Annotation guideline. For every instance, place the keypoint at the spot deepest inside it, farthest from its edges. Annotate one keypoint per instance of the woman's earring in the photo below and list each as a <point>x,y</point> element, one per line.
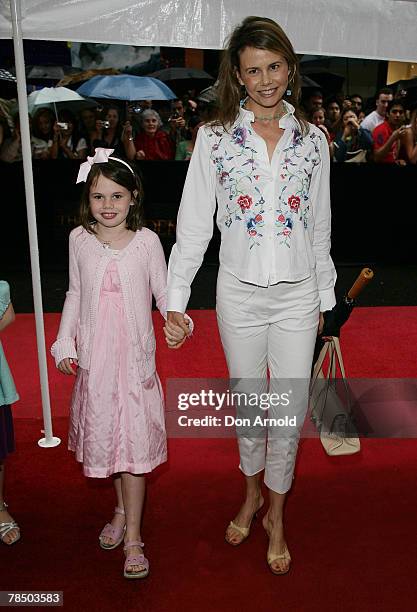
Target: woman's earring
<point>132,203</point>
<point>289,91</point>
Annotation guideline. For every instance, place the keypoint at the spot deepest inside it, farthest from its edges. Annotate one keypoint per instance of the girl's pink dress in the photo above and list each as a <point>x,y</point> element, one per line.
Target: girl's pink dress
<point>117,422</point>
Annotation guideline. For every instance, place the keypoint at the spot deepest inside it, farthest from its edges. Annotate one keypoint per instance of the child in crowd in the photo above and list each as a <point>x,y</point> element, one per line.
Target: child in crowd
<point>9,529</point>
<point>117,417</point>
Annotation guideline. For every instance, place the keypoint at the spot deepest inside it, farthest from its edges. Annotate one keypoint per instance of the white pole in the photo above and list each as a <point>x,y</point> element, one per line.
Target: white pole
<point>15,5</point>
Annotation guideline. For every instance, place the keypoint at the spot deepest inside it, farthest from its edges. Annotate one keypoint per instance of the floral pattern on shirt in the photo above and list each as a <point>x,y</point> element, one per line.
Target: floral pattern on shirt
<point>237,171</point>
<point>293,199</point>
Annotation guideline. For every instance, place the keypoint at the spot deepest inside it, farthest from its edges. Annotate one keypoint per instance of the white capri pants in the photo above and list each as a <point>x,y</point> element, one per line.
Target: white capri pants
<point>269,329</point>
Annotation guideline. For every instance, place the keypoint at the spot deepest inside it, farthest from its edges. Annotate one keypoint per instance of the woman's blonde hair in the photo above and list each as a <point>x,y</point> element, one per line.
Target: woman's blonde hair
<point>261,33</point>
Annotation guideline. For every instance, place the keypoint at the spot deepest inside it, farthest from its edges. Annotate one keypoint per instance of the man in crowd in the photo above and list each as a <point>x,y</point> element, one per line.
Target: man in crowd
<point>357,103</point>
<point>387,135</point>
<point>314,101</point>
<point>377,116</point>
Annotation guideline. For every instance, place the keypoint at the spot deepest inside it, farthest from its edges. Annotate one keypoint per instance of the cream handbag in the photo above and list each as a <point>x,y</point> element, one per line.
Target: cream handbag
<point>330,403</point>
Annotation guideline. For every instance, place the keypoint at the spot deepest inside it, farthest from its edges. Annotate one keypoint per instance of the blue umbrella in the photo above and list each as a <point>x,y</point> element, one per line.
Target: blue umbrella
<point>126,87</point>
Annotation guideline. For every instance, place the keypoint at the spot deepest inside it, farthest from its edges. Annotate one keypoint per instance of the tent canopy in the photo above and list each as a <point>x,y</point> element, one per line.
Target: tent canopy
<point>373,29</point>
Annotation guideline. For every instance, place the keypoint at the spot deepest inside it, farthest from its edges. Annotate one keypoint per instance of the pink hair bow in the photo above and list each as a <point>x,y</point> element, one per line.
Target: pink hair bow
<point>101,155</point>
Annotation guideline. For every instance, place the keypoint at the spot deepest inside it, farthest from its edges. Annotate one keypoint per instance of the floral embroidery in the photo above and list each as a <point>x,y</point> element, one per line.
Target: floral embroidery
<point>239,136</point>
<point>237,162</point>
<point>244,202</point>
<point>293,200</point>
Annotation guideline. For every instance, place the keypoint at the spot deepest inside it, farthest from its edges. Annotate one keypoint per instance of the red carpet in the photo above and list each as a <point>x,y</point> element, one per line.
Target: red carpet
<point>350,521</point>
<point>376,343</point>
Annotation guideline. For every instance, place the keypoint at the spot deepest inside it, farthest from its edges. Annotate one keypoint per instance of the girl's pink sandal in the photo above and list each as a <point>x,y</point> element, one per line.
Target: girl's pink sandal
<point>135,560</point>
<point>115,533</point>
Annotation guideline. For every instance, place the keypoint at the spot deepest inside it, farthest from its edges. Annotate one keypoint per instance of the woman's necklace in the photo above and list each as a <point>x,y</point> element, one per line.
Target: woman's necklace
<point>275,117</point>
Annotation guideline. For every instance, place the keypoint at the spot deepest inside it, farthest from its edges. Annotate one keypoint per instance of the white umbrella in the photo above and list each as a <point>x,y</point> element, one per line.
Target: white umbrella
<point>51,96</point>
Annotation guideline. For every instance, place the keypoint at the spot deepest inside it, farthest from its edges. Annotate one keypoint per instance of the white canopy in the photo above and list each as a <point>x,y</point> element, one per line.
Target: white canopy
<point>374,29</point>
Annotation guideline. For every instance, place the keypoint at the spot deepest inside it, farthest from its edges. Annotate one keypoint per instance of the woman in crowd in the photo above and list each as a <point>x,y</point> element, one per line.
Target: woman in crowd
<point>109,132</point>
<point>151,142</point>
<point>42,128</point>
<point>352,142</point>
<point>268,171</point>
<point>66,143</point>
<point>185,147</point>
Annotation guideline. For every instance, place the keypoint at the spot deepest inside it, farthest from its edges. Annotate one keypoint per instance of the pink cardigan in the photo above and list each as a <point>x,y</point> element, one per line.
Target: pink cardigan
<point>143,272</point>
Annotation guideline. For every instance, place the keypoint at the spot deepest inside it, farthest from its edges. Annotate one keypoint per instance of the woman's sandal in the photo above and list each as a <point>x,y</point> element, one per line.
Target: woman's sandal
<point>8,526</point>
<point>243,531</point>
<point>272,557</point>
<point>115,533</point>
<point>132,560</point>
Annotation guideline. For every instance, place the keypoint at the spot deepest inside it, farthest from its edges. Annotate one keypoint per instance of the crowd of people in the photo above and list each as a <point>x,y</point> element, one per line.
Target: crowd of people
<point>386,135</point>
<point>150,130</point>
<point>144,130</point>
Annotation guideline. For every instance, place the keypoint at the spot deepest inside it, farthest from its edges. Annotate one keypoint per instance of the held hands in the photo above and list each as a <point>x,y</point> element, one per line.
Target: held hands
<point>65,366</point>
<point>176,329</point>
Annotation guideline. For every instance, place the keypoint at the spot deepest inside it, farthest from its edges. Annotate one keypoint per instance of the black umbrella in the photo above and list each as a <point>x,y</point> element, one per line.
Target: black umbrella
<point>335,318</point>
<point>180,73</point>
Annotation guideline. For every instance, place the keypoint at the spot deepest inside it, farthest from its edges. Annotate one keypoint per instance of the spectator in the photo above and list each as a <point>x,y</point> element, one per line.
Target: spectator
<point>347,103</point>
<point>409,139</point>
<point>333,110</point>
<point>357,103</point>
<point>108,133</point>
<point>185,147</point>
<point>11,149</point>
<point>67,144</point>
<point>43,123</point>
<point>377,116</point>
<point>152,142</point>
<point>352,142</point>
<point>177,122</point>
<point>4,127</point>
<point>318,118</point>
<point>314,101</point>
<point>387,136</point>
<point>88,126</point>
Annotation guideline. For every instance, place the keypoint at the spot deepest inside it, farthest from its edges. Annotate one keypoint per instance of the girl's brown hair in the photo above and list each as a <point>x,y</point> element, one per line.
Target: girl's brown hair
<point>117,172</point>
<point>261,33</point>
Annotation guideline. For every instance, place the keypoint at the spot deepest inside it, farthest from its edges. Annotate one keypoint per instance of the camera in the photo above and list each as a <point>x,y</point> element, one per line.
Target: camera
<point>105,124</point>
<point>62,125</point>
<point>174,115</point>
<point>135,109</point>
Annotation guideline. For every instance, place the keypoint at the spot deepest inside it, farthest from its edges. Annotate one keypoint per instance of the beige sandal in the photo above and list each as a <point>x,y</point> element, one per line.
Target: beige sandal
<point>6,527</point>
<point>272,557</point>
<point>243,531</point>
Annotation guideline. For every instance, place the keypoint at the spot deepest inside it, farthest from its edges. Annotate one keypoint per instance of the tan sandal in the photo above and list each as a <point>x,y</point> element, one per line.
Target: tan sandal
<point>272,557</point>
<point>8,526</point>
<point>243,531</point>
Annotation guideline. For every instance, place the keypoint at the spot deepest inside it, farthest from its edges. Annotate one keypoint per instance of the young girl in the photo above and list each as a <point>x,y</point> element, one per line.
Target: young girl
<point>117,418</point>
<point>9,529</point>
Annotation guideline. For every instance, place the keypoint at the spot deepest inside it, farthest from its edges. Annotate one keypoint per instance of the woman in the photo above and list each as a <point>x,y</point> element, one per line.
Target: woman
<point>151,142</point>
<point>42,128</point>
<point>109,133</point>
<point>66,143</point>
<point>269,171</point>
<point>185,148</point>
<point>352,142</point>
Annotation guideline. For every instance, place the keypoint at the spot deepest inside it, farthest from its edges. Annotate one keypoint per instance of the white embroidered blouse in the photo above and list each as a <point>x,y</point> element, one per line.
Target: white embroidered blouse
<point>274,217</point>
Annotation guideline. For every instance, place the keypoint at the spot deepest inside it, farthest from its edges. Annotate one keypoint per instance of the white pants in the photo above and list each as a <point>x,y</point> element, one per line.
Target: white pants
<point>269,329</point>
